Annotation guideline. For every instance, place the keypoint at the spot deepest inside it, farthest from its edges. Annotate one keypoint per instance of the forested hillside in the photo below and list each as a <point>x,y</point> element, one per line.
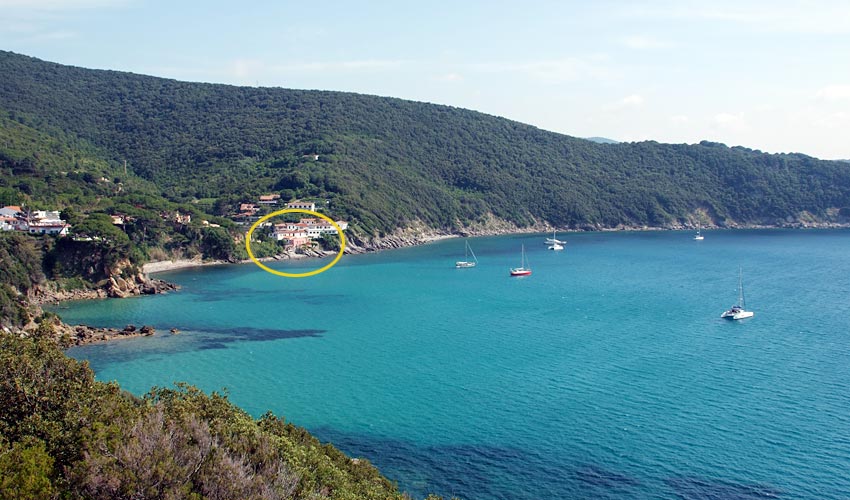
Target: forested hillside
<point>385,162</point>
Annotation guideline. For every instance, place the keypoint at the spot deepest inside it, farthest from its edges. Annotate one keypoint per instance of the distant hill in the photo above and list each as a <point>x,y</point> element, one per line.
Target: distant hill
<point>602,140</point>
<point>386,163</point>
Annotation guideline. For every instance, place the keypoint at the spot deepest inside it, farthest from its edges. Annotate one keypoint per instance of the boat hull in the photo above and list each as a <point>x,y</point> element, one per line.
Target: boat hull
<point>520,272</point>
<point>737,315</point>
<point>463,264</point>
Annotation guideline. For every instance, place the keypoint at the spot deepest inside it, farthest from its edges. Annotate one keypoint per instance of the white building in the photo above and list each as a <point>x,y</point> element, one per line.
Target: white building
<point>7,223</point>
<point>302,205</point>
<point>45,215</point>
<point>49,227</point>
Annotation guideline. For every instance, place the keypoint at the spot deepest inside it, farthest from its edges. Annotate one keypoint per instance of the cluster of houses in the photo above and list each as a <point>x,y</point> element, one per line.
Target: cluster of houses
<point>13,218</point>
<point>292,234</point>
<point>303,232</point>
<point>247,211</point>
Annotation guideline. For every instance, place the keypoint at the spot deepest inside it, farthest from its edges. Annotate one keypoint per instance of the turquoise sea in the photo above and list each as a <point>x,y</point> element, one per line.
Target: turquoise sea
<point>606,374</point>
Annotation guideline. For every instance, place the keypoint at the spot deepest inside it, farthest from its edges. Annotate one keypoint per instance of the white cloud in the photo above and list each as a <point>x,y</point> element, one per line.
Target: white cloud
<point>644,43</point>
<point>370,64</point>
<point>731,122</point>
<point>679,119</point>
<point>632,100</point>
<point>449,77</point>
<point>246,68</point>
<point>834,93</point>
<point>551,71</point>
<point>629,102</point>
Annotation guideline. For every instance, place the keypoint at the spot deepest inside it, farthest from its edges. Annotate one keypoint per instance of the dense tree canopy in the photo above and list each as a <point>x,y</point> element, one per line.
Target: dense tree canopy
<point>385,162</point>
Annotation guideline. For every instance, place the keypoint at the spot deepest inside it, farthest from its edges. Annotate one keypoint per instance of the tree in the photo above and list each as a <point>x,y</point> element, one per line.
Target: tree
<point>70,215</point>
<point>25,471</point>
<point>217,244</point>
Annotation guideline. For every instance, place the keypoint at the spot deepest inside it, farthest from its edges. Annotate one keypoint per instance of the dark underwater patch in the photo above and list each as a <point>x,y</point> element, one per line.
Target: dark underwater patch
<point>595,475</point>
<point>470,471</point>
<point>692,487</point>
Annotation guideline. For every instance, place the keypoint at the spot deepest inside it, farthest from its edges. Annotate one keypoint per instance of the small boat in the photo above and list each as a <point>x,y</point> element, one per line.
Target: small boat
<point>699,236</point>
<point>523,269</point>
<point>738,311</point>
<point>556,246</point>
<point>554,241</point>
<point>461,264</point>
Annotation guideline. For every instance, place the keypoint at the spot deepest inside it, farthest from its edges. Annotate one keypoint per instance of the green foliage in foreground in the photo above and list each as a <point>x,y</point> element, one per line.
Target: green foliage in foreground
<point>63,434</point>
<point>21,269</point>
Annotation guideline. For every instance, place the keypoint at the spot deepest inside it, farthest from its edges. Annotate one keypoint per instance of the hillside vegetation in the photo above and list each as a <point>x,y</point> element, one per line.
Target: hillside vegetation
<point>65,435</point>
<point>384,163</point>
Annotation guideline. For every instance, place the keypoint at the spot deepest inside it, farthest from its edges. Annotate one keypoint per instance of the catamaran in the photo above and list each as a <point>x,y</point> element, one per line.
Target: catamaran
<point>466,262</point>
<point>738,311</point>
<point>523,269</point>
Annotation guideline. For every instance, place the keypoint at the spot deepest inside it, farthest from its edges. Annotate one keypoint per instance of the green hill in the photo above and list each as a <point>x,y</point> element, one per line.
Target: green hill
<point>384,163</point>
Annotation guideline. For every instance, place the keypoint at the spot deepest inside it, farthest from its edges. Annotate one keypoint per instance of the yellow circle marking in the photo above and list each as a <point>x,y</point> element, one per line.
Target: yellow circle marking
<point>292,211</point>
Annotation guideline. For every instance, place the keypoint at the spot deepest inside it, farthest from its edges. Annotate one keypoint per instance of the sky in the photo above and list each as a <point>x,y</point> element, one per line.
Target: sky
<point>768,75</point>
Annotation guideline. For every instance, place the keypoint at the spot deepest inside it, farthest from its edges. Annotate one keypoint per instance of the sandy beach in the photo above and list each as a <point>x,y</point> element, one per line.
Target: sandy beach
<point>171,265</point>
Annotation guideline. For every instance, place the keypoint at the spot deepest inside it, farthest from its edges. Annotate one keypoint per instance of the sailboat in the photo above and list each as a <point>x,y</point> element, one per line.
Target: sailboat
<point>738,311</point>
<point>699,236</point>
<point>554,243</point>
<point>466,262</point>
<point>523,269</point>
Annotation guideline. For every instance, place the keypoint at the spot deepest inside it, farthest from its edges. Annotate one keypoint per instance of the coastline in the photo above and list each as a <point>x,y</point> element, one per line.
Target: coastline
<point>420,235</point>
<point>162,266</point>
<point>84,334</point>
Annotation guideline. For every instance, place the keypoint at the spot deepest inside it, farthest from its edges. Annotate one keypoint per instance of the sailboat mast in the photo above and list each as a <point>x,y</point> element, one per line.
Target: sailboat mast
<point>741,287</point>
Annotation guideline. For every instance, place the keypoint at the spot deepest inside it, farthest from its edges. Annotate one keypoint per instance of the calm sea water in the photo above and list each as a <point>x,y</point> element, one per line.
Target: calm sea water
<point>606,374</point>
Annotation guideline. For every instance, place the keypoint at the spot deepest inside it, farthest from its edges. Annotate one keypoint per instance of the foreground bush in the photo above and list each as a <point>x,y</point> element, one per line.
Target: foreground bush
<point>63,434</point>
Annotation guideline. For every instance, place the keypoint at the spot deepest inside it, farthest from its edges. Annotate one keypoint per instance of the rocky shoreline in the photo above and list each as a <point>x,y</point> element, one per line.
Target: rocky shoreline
<point>114,287</point>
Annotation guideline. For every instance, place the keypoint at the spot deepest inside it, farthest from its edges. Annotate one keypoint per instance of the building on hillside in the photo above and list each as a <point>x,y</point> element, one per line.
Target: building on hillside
<point>45,215</point>
<point>7,223</point>
<point>57,227</point>
<point>121,219</point>
<point>269,199</point>
<point>249,208</point>
<point>317,227</point>
<point>177,217</point>
<point>294,238</point>
<point>10,211</point>
<point>302,205</point>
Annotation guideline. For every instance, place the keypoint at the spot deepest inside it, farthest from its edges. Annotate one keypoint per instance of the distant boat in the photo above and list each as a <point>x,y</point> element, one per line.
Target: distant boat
<point>554,243</point>
<point>466,262</point>
<point>523,269</point>
<point>738,311</point>
<point>699,236</point>
<point>553,240</point>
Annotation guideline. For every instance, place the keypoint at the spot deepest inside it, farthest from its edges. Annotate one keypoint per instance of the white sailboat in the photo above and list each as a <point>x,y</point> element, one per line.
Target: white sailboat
<point>554,243</point>
<point>739,310</point>
<point>466,262</point>
<point>523,269</point>
<point>699,236</point>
